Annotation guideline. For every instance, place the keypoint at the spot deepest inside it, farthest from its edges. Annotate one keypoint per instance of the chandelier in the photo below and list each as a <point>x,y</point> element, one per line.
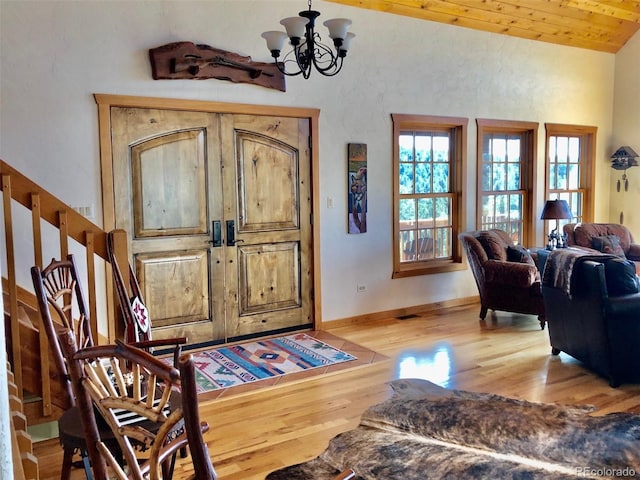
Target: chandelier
<point>307,50</point>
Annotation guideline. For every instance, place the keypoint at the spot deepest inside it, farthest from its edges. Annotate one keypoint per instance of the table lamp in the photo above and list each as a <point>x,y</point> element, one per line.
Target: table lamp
<point>556,210</point>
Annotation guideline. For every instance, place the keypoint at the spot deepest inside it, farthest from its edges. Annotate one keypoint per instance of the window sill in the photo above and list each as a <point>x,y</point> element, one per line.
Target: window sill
<point>414,270</point>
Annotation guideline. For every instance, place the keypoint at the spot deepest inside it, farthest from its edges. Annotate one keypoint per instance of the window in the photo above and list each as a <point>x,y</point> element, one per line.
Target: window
<point>569,169</point>
<point>428,173</point>
<point>506,172</point>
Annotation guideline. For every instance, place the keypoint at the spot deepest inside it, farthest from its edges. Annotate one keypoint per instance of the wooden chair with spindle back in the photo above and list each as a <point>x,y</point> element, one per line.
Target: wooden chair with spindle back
<point>123,383</point>
<point>62,305</point>
<point>135,314</point>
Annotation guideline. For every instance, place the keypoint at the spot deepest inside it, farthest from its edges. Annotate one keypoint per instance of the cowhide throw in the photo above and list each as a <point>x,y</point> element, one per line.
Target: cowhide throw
<point>558,270</point>
<point>426,432</point>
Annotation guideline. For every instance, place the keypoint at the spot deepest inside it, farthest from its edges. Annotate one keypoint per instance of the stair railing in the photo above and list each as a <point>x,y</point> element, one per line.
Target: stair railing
<point>17,188</point>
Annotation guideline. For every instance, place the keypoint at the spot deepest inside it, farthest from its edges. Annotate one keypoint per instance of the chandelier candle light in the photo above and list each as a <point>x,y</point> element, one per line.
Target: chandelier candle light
<point>307,50</point>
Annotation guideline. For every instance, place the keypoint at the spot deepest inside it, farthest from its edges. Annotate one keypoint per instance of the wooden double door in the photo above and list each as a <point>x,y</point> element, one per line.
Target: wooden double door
<point>218,211</point>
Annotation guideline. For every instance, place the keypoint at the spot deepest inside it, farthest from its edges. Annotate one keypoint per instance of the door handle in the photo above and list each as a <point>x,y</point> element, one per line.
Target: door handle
<point>231,233</point>
<point>216,233</point>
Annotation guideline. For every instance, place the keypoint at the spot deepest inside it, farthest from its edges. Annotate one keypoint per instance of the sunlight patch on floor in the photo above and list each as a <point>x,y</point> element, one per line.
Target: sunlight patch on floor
<point>435,365</point>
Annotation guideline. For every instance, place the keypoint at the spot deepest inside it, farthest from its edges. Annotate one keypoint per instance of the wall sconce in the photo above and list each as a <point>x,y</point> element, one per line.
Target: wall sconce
<point>556,210</point>
<point>623,158</point>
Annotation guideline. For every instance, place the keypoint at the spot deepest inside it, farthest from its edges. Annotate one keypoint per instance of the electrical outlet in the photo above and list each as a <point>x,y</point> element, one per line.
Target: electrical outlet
<point>361,288</point>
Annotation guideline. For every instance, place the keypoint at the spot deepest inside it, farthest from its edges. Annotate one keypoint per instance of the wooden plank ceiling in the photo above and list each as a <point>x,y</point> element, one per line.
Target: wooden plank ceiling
<point>601,25</point>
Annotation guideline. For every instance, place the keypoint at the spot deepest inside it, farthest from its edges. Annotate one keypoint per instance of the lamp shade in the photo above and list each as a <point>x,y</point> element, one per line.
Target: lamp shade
<point>275,40</point>
<point>346,42</point>
<point>337,27</point>
<point>556,209</point>
<point>295,26</point>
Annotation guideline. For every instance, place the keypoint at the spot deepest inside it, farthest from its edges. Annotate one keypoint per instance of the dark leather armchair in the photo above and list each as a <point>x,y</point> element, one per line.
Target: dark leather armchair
<point>596,318</point>
<point>506,274</point>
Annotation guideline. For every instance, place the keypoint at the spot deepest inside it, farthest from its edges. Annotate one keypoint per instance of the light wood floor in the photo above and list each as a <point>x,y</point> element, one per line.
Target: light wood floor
<point>255,433</point>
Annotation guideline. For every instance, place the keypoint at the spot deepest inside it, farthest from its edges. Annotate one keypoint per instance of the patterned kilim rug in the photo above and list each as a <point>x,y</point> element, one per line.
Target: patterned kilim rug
<point>262,359</point>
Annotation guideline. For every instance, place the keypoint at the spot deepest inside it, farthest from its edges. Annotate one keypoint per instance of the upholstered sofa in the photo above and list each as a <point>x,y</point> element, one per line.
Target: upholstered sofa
<point>592,309</point>
<point>506,274</point>
<point>604,237</point>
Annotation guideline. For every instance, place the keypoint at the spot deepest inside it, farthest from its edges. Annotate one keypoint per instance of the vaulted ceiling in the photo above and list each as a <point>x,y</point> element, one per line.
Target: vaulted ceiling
<point>602,25</point>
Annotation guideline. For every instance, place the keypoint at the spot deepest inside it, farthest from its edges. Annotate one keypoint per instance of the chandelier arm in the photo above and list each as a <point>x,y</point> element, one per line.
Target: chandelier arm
<point>331,69</point>
<point>282,65</point>
<point>336,68</point>
<point>326,61</point>
<point>304,57</point>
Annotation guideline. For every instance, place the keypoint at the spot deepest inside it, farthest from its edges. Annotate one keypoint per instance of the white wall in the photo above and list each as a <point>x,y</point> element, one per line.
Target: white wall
<point>56,54</point>
<point>626,131</point>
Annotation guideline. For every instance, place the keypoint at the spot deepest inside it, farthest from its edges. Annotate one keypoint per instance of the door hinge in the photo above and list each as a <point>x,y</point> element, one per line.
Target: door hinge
<point>311,219</point>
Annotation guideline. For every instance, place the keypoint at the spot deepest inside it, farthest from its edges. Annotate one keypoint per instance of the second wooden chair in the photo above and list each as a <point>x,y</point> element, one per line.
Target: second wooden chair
<point>135,314</point>
<point>131,390</point>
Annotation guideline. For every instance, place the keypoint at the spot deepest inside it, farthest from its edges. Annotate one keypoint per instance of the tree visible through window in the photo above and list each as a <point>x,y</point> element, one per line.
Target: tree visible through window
<point>425,196</point>
<point>569,165</point>
<point>427,193</point>
<point>503,195</point>
<point>505,177</point>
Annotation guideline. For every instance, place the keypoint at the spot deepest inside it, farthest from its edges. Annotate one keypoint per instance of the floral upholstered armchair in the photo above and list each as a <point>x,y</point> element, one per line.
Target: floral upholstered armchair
<point>506,274</point>
<point>604,237</point>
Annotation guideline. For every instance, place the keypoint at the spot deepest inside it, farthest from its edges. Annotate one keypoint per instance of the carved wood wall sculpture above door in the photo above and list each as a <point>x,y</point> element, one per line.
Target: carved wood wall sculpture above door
<point>218,209</point>
<point>186,60</point>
